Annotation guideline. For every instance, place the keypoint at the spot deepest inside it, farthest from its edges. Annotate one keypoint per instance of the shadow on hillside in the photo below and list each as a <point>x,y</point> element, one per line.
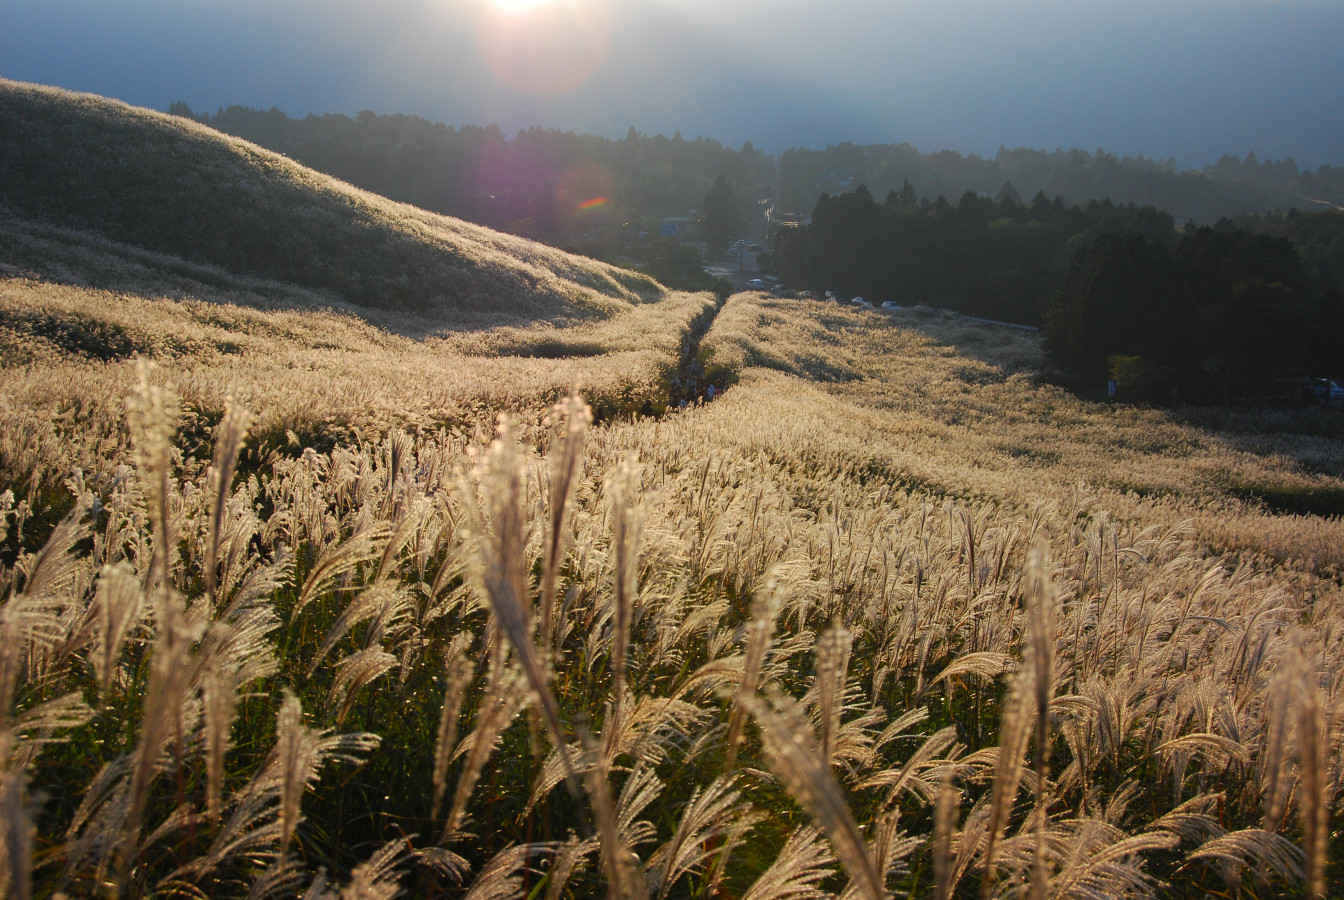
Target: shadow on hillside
<point>81,259</point>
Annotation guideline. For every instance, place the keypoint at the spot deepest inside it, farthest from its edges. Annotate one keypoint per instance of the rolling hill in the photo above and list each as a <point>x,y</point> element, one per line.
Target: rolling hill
<point>157,183</point>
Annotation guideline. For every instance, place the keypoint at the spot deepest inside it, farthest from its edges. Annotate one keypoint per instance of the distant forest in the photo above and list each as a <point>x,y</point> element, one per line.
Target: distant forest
<point>1227,188</point>
<point>546,184</point>
<point>999,257</point>
<point>1122,292</point>
<point>581,192</point>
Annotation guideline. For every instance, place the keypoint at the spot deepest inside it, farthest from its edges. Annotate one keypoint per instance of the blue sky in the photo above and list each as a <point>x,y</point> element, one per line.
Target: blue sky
<point>1190,79</point>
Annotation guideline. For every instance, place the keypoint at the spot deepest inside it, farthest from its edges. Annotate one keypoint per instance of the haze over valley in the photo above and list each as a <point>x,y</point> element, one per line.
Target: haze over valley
<point>558,448</point>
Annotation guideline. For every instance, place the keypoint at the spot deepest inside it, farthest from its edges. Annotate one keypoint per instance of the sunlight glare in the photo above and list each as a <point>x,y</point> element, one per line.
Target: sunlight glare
<point>544,48</point>
<point>517,6</point>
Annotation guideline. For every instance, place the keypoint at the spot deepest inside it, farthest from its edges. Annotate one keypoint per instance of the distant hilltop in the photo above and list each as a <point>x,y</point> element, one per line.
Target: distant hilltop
<point>171,186</point>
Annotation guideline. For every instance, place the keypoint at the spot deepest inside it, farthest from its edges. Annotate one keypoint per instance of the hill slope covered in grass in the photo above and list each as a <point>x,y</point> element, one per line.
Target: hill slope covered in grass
<point>809,634</point>
<point>282,613</point>
<point>167,185</point>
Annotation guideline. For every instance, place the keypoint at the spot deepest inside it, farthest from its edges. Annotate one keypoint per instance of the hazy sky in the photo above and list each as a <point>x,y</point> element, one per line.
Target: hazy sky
<point>1190,79</point>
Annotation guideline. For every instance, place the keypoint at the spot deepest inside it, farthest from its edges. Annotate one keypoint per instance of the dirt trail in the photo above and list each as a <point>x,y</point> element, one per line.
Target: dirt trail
<point>688,385</point>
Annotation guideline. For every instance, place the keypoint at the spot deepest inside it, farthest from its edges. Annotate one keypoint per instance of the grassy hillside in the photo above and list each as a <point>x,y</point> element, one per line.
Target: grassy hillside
<point>163,184</point>
<point>283,613</point>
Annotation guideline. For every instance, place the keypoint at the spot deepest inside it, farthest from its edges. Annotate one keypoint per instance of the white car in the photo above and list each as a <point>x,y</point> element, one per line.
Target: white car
<point>859,301</point>
<point>890,304</point>
<point>755,283</point>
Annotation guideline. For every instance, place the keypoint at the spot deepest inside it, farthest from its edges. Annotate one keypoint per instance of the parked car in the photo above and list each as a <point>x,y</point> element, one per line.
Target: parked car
<point>1327,392</point>
<point>859,301</point>
<point>890,304</point>
<point>756,283</point>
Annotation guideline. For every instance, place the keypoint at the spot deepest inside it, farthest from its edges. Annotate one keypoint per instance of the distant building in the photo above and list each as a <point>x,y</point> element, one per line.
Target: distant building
<point>835,179</point>
<point>681,228</point>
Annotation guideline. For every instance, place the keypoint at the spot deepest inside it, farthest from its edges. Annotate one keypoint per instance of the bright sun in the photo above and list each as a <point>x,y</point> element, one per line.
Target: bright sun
<point>544,47</point>
<point>517,5</point>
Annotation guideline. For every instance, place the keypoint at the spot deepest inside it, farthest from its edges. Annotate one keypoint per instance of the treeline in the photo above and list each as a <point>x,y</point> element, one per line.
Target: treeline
<point>595,193</point>
<point>1122,292</point>
<point>995,257</point>
<point>1227,188</point>
<point>544,183</point>
<point>1222,314</point>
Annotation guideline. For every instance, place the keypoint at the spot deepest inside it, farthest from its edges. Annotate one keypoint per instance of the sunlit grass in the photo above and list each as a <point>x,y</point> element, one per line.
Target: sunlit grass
<point>288,609</point>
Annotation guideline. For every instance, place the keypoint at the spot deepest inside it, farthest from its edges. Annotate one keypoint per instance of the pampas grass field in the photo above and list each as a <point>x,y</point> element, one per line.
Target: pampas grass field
<point>309,598</point>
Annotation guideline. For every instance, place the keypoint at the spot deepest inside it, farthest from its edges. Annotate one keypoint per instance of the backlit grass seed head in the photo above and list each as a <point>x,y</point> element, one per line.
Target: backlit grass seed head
<point>795,757</point>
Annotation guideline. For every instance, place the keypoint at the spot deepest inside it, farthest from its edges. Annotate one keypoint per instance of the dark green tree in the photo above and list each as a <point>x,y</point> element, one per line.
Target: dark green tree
<point>722,220</point>
<point>1118,299</point>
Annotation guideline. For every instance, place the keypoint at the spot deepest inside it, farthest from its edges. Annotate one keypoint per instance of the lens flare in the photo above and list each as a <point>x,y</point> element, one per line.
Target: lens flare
<point>544,48</point>
<point>584,197</point>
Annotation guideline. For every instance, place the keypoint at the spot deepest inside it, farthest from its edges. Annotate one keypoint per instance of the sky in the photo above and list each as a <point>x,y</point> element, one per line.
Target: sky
<point>1185,79</point>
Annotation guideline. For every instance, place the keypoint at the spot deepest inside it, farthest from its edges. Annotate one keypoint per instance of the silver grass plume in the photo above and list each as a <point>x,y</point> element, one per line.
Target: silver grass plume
<point>641,788</point>
<point>291,750</point>
<point>460,667</point>
<point>377,877</point>
<point>1043,616</point>
<point>151,411</point>
<point>1014,733</point>
<point>229,438</point>
<point>944,830</point>
<point>627,525</point>
<point>503,700</point>
<point>265,813</point>
<point>1283,689</point>
<point>116,607</point>
<point>1297,709</point>
<point>570,416</point>
<point>708,816</point>
<point>567,858</point>
<point>52,571</point>
<point>39,628</point>
<point>908,776</point>
<point>165,698</point>
<point>17,830</point>
<point>832,672</point>
<point>620,866</point>
<point>803,863</point>
<point>338,559</point>
<point>765,607</point>
<point>221,705</point>
<point>503,571</point>
<point>888,849</point>
<point>353,674</point>
<point>1313,738</point>
<point>1253,848</point>
<point>383,601</point>
<point>795,757</point>
<point>281,879</point>
<point>500,878</point>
